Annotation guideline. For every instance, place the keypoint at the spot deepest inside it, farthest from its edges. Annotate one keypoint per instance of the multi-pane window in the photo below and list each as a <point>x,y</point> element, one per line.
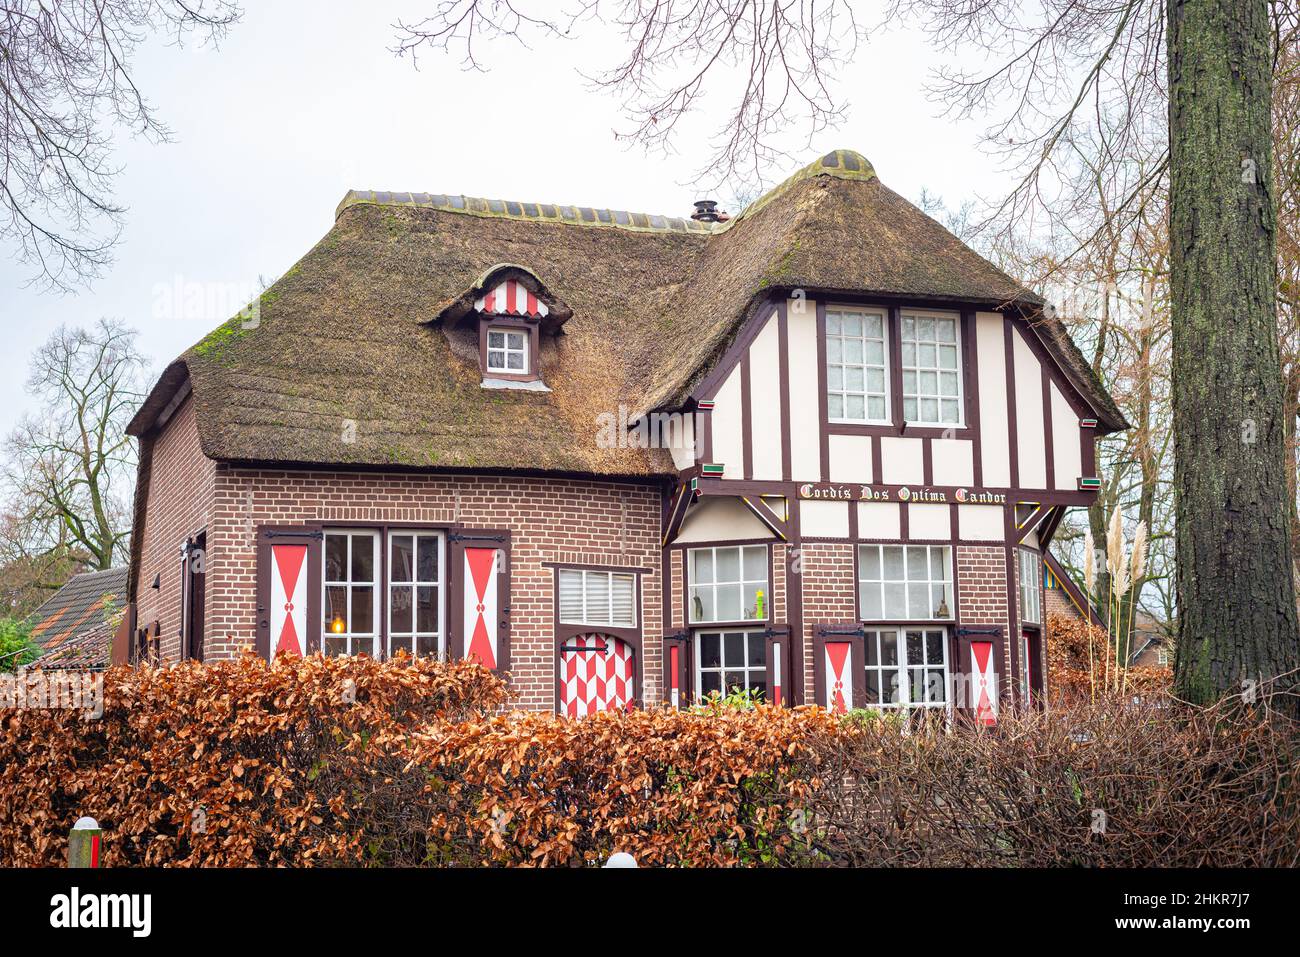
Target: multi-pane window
<point>351,605</point>
<point>931,367</point>
<point>730,661</point>
<point>1030,596</point>
<point>905,582</point>
<point>857,380</point>
<point>597,598</point>
<point>356,617</point>
<point>907,667</point>
<point>507,351</point>
<point>415,598</point>
<point>728,584</point>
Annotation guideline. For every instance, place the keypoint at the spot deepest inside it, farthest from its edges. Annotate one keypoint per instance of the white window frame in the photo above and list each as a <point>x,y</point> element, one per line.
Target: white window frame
<point>949,593</point>
<point>843,392</point>
<point>916,370</point>
<point>440,622</point>
<point>723,669</point>
<point>693,586</point>
<point>587,619</point>
<point>376,585</point>
<point>507,350</point>
<point>1031,596</point>
<point>901,671</point>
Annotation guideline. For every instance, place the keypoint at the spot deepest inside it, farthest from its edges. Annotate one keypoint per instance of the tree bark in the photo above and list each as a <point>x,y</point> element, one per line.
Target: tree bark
<point>1237,611</point>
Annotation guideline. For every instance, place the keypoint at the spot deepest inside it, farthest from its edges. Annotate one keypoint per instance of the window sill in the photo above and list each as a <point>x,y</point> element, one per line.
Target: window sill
<point>525,385</point>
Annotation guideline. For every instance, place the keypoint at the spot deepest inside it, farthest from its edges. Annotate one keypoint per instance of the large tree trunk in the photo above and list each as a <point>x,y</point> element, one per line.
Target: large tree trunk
<point>1237,618</point>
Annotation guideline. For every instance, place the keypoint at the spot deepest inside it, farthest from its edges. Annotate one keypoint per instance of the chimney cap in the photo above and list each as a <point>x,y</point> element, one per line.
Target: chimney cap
<point>706,211</point>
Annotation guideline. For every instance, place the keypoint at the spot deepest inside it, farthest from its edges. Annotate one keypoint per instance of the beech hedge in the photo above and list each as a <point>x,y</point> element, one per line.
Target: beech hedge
<point>351,762</point>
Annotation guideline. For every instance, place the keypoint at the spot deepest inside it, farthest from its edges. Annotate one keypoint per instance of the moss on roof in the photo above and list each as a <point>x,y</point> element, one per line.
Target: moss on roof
<point>347,363</point>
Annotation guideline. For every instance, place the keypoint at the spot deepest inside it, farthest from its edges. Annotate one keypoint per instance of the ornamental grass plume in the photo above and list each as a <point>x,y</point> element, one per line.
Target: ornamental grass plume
<point>1137,569</point>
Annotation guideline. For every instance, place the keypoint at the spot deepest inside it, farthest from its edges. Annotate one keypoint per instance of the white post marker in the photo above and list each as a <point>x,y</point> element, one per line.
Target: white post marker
<point>83,843</point>
<point>621,859</point>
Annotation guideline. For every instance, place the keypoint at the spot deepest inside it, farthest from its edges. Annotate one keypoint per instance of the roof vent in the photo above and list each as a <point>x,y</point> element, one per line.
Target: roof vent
<point>706,211</point>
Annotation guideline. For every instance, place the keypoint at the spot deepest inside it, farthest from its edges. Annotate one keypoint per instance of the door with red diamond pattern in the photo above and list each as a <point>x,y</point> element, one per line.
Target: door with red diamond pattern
<point>597,673</point>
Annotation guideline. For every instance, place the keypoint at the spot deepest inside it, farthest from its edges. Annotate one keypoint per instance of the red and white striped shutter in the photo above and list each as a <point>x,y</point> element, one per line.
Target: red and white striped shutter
<point>288,591</point>
<point>839,667</point>
<point>676,670</point>
<point>778,658</point>
<point>984,683</point>
<point>597,673</point>
<point>511,298</point>
<point>480,564</point>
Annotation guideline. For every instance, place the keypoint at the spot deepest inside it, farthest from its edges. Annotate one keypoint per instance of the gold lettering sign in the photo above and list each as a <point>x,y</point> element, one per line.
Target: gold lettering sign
<point>833,492</point>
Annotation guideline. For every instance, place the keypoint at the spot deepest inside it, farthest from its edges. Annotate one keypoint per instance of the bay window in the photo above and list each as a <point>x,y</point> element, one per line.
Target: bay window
<point>931,367</point>
<point>728,584</point>
<point>597,598</point>
<point>905,582</point>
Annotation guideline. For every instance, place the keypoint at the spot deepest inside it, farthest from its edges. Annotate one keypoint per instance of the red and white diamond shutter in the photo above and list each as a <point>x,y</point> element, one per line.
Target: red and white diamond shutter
<point>480,562</point>
<point>597,673</point>
<point>288,590</point>
<point>839,677</point>
<point>983,683</point>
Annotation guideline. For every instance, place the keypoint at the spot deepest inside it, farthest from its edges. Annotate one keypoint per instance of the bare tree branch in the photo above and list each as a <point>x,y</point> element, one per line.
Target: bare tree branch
<point>65,84</point>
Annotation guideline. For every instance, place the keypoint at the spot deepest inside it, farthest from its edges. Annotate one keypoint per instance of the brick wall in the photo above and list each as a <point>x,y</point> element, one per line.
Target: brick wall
<point>181,487</point>
<point>1057,602</point>
<point>828,595</point>
<point>551,520</point>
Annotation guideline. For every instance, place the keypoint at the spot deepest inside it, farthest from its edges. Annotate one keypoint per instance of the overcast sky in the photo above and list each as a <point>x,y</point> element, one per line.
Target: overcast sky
<point>304,100</point>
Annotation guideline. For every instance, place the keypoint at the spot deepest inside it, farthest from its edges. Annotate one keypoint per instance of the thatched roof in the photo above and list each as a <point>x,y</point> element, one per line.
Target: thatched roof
<point>355,332</point>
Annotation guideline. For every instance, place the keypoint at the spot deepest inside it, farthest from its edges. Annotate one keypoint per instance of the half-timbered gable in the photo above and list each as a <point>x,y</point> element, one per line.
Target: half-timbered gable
<point>811,453</point>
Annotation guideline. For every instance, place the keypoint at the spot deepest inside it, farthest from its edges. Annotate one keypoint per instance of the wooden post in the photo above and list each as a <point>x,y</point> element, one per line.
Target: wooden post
<point>84,843</point>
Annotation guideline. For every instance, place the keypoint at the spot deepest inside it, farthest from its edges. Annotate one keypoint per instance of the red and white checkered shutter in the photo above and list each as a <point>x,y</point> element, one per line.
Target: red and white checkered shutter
<point>288,591</point>
<point>983,683</point>
<point>597,673</point>
<point>480,566</point>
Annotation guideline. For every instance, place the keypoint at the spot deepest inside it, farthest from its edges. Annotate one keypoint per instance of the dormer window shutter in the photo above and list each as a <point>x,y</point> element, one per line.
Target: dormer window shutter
<point>480,597</point>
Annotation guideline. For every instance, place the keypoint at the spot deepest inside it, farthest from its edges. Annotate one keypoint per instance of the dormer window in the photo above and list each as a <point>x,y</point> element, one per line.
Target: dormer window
<point>507,350</point>
<point>513,313</point>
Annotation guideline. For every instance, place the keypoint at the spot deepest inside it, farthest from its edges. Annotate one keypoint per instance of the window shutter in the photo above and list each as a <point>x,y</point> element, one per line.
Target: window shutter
<point>677,666</point>
<point>288,590</point>
<point>838,666</point>
<point>778,669</point>
<point>480,596</point>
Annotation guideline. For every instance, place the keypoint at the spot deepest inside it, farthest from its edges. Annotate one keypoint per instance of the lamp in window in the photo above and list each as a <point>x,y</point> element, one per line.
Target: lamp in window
<point>337,625</point>
<point>942,611</point>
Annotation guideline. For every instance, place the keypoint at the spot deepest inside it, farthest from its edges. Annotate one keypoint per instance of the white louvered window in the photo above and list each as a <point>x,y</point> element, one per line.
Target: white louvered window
<point>857,366</point>
<point>597,598</point>
<point>931,363</point>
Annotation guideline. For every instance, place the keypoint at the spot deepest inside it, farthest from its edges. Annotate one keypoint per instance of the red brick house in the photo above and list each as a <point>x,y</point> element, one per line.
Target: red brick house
<point>814,451</point>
